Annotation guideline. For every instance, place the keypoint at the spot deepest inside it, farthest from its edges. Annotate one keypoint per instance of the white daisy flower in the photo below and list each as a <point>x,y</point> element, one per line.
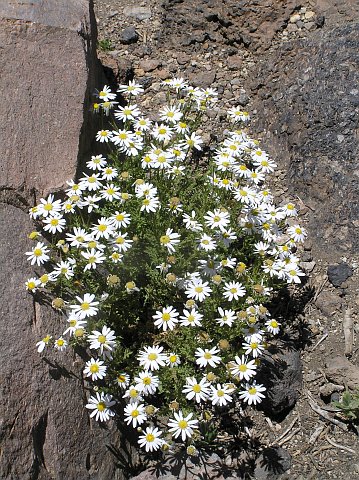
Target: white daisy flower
<point>272,326</point>
<point>38,254</point>
<point>129,112</point>
<point>182,426</point>
<point>191,318</point>
<point>94,258</point>
<point>122,380</point>
<point>95,369</point>
<point>233,291</point>
<point>227,317</point>
<point>105,94</point>
<point>135,414</point>
<point>252,394</point>
<point>220,395</point>
<point>132,88</point>
<point>146,383</point>
<point>121,242</point>
<point>100,406</point>
<point>103,136</point>
<point>97,162</point>
<point>173,360</point>
<point>104,341</point>
<point>150,439</point>
<point>43,343</point>
<point>166,319</point>
<point>243,368</point>
<point>170,239</point>
<point>198,290</point>
<point>197,390</point>
<point>48,206</point>
<point>150,204</point>
<point>254,348</point>
<point>121,219</point>
<point>207,243</point>
<point>152,358</point>
<point>207,357</point>
<point>87,306</point>
<point>60,344</point>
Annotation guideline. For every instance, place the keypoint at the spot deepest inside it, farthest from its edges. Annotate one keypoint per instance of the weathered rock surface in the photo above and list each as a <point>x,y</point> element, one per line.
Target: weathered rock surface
<point>340,371</point>
<point>186,468</point>
<point>282,375</point>
<point>309,117</point>
<point>49,70</point>
<point>272,463</point>
<point>337,274</point>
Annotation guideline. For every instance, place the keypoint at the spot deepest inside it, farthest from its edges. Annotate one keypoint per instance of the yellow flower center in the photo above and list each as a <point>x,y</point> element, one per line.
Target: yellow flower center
<point>135,413</point>
<point>233,290</point>
<point>165,239</point>
<point>31,285</point>
<point>48,207</point>
<point>147,381</point>
<point>60,342</point>
<point>166,317</point>
<point>220,393</point>
<point>274,324</point>
<point>37,252</point>
<point>162,131</point>
<point>54,222</point>
<point>173,358</point>
<point>102,339</point>
<point>133,393</point>
<point>196,388</point>
<point>101,406</point>
<point>254,345</point>
<point>120,217</point>
<point>182,424</point>
<point>85,306</point>
<point>103,133</point>
<point>120,240</point>
<point>150,437</point>
<point>252,391</point>
<point>94,368</point>
<point>102,227</point>
<point>243,368</point>
<point>198,289</point>
<point>152,356</point>
<point>207,356</point>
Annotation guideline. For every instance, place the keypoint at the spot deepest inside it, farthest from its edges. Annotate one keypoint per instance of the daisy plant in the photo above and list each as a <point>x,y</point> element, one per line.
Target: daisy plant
<point>160,261</point>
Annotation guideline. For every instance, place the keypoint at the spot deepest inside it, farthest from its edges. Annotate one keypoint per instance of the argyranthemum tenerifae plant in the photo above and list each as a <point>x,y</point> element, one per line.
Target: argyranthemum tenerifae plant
<point>161,260</point>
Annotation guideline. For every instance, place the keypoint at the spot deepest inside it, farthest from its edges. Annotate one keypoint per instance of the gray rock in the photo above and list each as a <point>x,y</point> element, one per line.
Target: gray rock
<point>137,12</point>
<point>337,274</point>
<point>45,431</point>
<point>129,35</point>
<point>328,301</point>
<point>281,374</point>
<point>182,467</point>
<point>302,113</point>
<point>150,64</point>
<point>342,372</point>
<point>272,463</point>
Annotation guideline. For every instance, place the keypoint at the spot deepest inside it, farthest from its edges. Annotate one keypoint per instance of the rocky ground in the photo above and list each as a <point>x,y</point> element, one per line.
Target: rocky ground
<point>293,65</point>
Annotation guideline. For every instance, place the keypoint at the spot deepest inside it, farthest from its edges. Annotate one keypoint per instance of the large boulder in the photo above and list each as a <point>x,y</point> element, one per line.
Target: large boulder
<point>49,71</point>
<point>307,93</point>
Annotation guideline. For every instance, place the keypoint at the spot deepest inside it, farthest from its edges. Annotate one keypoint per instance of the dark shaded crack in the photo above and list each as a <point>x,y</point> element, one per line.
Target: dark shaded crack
<point>38,434</point>
<point>16,198</point>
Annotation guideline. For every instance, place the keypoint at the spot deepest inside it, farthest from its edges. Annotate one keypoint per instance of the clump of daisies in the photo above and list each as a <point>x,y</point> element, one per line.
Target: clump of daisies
<point>160,262</point>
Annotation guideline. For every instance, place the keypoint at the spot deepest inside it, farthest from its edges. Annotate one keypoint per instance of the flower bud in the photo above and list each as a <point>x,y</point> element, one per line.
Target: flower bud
<point>113,280</point>
<point>58,303</point>
<point>224,344</point>
<point>174,405</point>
